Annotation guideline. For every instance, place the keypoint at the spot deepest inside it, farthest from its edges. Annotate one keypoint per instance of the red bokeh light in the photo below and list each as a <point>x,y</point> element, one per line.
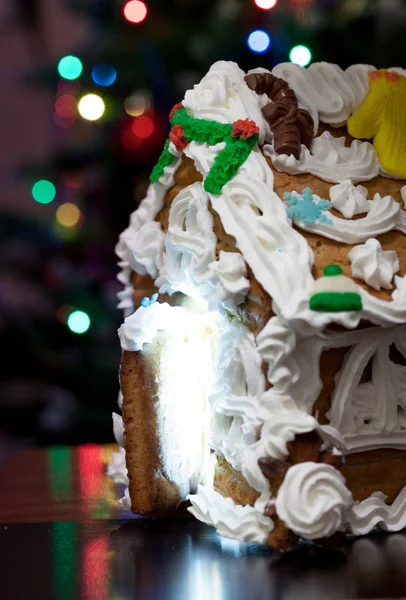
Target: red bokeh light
<point>135,11</point>
<point>66,106</point>
<point>266,4</point>
<point>143,127</point>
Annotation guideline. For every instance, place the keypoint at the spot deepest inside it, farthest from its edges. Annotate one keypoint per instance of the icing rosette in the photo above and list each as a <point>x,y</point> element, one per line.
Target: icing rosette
<point>349,199</point>
<point>373,265</point>
<point>313,500</point>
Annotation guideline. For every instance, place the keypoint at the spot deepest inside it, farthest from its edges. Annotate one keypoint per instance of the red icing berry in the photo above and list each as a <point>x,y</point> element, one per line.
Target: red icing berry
<point>177,137</point>
<point>391,76</point>
<point>174,109</point>
<point>244,128</point>
<point>375,74</point>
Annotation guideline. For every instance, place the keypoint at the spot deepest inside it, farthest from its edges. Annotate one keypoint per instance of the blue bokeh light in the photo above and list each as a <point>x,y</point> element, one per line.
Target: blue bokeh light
<point>258,41</point>
<point>104,74</point>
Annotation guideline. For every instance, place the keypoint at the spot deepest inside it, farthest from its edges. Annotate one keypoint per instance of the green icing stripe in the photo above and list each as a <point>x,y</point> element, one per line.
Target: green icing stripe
<point>164,160</point>
<point>200,130</point>
<point>226,163</point>
<point>335,302</point>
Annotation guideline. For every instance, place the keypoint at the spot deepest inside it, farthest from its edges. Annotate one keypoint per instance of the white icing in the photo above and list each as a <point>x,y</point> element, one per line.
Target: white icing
<point>374,512</point>
<point>313,500</point>
<point>326,91</point>
<point>330,159</point>
<point>373,265</point>
<point>384,215</point>
<point>231,520</point>
<point>140,245</point>
<point>118,429</point>
<point>142,326</point>
<point>190,264</point>
<point>222,95</point>
<point>117,469</point>
<point>349,199</point>
<point>399,294</point>
<point>238,381</point>
<point>125,501</point>
<point>282,422</point>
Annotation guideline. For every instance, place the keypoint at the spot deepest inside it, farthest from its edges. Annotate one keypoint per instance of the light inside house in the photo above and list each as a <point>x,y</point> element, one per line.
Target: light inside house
<point>78,321</point>
<point>182,354</point>
<point>258,41</point>
<point>91,107</point>
<point>70,67</point>
<point>300,55</point>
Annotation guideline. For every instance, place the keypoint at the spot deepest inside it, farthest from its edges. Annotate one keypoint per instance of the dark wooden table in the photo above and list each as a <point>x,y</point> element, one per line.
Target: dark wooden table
<point>62,537</point>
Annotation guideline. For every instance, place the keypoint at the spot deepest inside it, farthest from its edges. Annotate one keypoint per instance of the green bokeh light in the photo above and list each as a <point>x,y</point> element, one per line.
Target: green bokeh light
<point>70,67</point>
<point>300,55</point>
<point>43,191</point>
<point>78,321</point>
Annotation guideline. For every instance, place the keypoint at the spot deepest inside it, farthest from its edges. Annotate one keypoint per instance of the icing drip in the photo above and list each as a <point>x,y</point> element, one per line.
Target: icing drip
<point>384,214</point>
<point>190,264</point>
<point>142,326</point>
<point>373,265</point>
<point>323,89</point>
<point>238,381</point>
<point>243,523</point>
<point>330,159</point>
<point>133,247</point>
<point>313,500</point>
<point>374,512</point>
<point>349,199</point>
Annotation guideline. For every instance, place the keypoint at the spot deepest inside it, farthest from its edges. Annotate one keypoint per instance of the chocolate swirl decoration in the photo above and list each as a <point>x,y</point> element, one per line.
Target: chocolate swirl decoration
<point>291,126</point>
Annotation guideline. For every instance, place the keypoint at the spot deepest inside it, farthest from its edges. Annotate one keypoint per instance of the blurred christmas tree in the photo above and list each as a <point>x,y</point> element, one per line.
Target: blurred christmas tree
<point>111,100</point>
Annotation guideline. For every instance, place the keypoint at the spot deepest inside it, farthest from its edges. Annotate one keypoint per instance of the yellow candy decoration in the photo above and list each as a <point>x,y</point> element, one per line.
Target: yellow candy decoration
<point>382,116</point>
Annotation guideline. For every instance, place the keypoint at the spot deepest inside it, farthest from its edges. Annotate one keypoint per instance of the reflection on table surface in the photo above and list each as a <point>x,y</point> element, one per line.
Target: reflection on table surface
<point>82,553</point>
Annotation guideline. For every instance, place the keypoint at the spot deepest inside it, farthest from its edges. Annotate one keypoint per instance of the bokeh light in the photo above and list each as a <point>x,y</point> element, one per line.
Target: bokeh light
<point>143,127</point>
<point>78,321</point>
<point>104,74</point>
<point>258,41</point>
<point>300,55</point>
<point>70,67</point>
<point>43,191</point>
<point>91,107</point>
<point>66,106</point>
<point>68,214</point>
<point>135,11</point>
<point>266,4</point>
<point>136,104</point>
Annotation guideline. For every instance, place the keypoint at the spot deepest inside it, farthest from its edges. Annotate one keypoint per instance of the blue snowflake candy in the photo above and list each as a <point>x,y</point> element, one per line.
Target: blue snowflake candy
<point>303,207</point>
<point>145,302</point>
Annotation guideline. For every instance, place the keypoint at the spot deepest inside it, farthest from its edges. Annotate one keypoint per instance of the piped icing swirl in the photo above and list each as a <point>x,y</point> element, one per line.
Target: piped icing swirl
<point>374,265</point>
<point>313,500</point>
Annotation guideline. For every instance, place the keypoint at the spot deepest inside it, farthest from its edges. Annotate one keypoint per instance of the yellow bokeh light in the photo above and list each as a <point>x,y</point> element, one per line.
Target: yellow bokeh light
<point>68,214</point>
<point>91,107</point>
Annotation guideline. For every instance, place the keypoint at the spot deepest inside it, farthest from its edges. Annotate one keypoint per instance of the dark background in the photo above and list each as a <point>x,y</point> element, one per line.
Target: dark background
<point>58,386</point>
